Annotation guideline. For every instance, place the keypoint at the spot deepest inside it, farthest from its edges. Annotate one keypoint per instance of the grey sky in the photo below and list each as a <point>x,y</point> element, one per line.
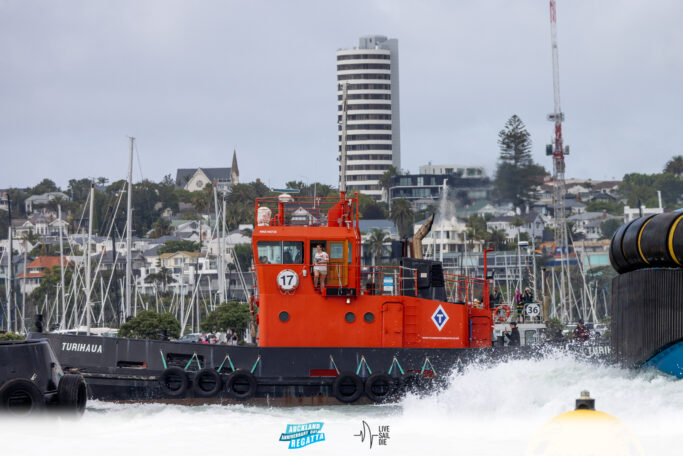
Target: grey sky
<point>194,79</point>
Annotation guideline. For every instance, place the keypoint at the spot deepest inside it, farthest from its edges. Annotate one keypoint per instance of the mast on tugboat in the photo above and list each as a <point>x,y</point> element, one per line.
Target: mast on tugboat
<point>342,183</point>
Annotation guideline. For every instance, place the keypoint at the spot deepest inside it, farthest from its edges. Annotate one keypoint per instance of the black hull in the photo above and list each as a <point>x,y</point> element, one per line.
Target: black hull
<point>647,314</point>
<point>284,376</point>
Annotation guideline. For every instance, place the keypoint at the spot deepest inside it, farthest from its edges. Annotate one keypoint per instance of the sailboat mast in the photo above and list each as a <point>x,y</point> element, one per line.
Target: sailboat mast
<point>62,322</point>
<point>10,269</point>
<point>129,229</point>
<point>219,257</point>
<point>87,258</point>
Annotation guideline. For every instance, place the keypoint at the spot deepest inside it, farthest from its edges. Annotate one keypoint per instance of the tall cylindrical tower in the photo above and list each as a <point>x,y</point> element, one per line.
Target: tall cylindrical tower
<point>373,120</point>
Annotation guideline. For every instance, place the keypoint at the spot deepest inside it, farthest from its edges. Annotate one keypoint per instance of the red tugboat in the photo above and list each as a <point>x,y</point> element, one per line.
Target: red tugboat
<point>403,306</point>
<point>366,333</point>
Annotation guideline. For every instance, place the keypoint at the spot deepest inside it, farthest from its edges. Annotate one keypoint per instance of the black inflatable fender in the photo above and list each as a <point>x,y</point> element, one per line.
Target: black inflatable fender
<point>616,250</point>
<point>241,385</point>
<point>347,387</point>
<point>631,243</point>
<point>72,393</point>
<point>380,386</point>
<point>168,379</point>
<point>207,376</point>
<point>34,398</point>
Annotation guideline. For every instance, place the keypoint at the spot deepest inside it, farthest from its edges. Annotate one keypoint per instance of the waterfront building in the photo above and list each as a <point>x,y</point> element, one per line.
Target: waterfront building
<point>447,170</point>
<point>423,190</point>
<point>43,199</point>
<point>373,117</point>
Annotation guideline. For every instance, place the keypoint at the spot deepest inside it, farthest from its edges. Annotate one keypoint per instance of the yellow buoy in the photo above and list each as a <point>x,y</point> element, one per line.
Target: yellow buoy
<point>585,432</point>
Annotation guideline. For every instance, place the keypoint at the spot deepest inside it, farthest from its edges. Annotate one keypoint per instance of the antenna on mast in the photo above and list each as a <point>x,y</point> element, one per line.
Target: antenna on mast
<point>344,86</point>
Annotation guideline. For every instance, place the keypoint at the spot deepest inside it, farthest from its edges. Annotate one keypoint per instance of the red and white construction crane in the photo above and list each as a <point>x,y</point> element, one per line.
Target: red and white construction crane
<point>558,151</point>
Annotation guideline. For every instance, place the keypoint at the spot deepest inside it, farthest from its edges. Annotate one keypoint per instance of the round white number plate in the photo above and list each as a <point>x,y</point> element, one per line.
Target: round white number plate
<point>533,310</point>
<point>287,280</point>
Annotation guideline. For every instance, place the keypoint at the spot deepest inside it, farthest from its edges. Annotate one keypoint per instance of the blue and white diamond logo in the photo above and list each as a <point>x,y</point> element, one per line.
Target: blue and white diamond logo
<point>440,318</point>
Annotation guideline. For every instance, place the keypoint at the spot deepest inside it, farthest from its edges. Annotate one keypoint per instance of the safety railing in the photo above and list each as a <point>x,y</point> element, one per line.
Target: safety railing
<point>387,280</point>
<point>296,211</point>
<point>466,290</point>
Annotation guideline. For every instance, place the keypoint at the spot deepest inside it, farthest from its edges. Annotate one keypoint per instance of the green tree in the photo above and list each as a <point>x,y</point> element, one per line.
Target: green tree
<point>179,246</point>
<point>149,325</point>
<point>499,238</point>
<point>385,180</point>
<point>612,207</point>
<point>161,227</point>
<point>371,209</point>
<point>45,186</point>
<point>79,189</point>
<point>609,227</point>
<point>161,278</point>
<point>244,255</point>
<point>516,174</point>
<point>10,336</point>
<point>230,315</point>
<point>476,228</point>
<point>376,246</point>
<point>4,224</point>
<point>642,188</point>
<point>675,166</point>
<point>402,216</point>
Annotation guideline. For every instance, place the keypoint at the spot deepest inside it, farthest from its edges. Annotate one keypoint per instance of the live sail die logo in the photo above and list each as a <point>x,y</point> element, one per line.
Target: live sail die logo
<point>366,434</point>
<point>301,435</point>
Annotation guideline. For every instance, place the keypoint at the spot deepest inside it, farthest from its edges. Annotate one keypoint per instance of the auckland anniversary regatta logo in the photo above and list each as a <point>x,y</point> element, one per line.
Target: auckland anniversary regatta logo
<point>301,435</point>
<point>83,348</point>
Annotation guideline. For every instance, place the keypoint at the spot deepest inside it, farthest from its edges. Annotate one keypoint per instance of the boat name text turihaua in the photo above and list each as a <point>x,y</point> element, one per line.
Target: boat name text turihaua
<point>87,348</point>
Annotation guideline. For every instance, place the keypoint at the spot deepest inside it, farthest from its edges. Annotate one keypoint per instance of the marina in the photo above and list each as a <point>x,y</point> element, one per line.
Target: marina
<point>232,227</point>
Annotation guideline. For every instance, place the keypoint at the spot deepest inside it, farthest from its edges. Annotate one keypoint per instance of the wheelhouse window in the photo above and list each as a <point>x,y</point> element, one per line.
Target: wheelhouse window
<point>280,252</point>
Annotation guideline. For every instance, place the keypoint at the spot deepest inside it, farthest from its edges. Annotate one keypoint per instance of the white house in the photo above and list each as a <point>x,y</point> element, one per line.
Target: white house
<point>195,179</point>
<point>588,223</point>
<point>532,225</point>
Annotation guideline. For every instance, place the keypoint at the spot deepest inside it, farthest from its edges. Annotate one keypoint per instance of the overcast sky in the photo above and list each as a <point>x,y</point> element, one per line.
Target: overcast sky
<point>193,80</point>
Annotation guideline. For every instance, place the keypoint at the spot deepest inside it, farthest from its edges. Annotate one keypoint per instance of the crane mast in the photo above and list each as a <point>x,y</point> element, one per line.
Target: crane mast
<point>558,151</point>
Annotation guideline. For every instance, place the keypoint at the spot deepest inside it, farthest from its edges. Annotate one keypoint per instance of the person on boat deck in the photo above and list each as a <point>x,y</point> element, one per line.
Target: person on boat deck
<point>527,296</point>
<point>519,305</point>
<point>496,297</point>
<point>512,335</point>
<point>581,333</point>
<point>320,261</point>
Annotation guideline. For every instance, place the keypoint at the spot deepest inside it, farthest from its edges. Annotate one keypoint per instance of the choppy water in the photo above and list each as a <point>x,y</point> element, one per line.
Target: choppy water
<point>492,410</point>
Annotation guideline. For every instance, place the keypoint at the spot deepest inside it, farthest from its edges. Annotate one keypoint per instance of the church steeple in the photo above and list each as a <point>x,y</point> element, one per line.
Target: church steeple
<point>234,169</point>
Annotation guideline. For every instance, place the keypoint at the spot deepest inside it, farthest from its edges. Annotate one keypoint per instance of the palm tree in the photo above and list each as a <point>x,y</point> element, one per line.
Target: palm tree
<point>385,180</point>
<point>164,277</point>
<point>376,242</point>
<point>161,227</point>
<point>402,215</point>
<point>498,238</point>
<point>675,165</point>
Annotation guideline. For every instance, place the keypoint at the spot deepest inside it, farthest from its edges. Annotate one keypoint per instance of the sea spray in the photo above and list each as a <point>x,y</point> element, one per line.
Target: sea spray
<point>485,410</point>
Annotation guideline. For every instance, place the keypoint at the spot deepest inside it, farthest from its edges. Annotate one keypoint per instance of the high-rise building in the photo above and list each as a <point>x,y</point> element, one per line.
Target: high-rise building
<point>373,118</point>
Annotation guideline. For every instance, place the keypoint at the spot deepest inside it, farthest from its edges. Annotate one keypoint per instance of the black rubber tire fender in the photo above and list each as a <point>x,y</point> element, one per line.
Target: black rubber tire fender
<point>72,393</point>
<point>347,387</point>
<point>21,396</point>
<point>616,251</point>
<point>174,381</point>
<point>631,243</point>
<point>207,383</point>
<point>241,385</point>
<point>380,386</point>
